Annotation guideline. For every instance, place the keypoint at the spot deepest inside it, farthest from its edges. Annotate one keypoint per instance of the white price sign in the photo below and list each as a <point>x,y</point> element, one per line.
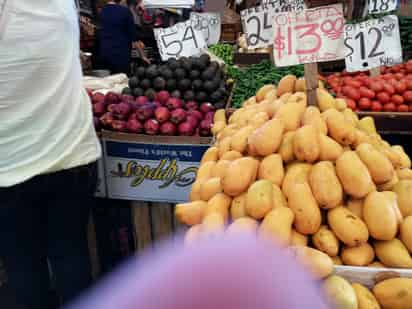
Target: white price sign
<point>180,40</point>
<point>313,35</point>
<point>257,21</point>
<point>372,43</point>
<point>382,6</point>
<point>209,24</point>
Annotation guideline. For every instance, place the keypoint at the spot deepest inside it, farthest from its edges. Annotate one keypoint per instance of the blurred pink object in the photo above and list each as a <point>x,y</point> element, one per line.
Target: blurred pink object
<point>230,274</point>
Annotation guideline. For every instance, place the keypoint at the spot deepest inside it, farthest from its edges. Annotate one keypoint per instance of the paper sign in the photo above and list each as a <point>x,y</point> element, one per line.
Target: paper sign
<point>372,43</point>
<point>180,40</point>
<point>257,21</point>
<point>151,172</point>
<point>308,36</point>
<point>382,6</point>
<point>209,24</point>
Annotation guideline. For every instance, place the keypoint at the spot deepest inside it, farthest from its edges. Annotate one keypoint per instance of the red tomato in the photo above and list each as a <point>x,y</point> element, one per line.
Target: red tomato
<point>383,97</point>
<point>350,103</point>
<point>409,67</point>
<point>393,82</point>
<point>388,88</point>
<point>389,107</point>
<point>399,76</point>
<point>352,83</point>
<point>376,106</point>
<point>376,86</point>
<point>410,108</point>
<point>407,95</point>
<point>400,87</point>
<point>351,93</point>
<point>409,84</point>
<point>387,76</point>
<point>403,108</point>
<point>397,99</point>
<point>366,93</point>
<point>364,104</point>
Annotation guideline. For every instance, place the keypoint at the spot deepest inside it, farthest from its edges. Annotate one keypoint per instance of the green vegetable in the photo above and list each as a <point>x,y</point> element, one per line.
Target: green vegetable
<point>223,51</point>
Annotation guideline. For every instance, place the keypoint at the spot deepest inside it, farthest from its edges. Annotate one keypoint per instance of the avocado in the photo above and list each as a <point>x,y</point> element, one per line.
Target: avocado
<point>127,91</point>
<point>189,96</point>
<point>176,94</point>
<point>185,64</point>
<point>184,84</point>
<point>159,83</point>
<point>173,64</point>
<point>215,65</point>
<point>215,97</point>
<point>150,94</point>
<point>208,75</point>
<point>145,84</point>
<point>193,74</point>
<point>171,84</point>
<point>209,86</point>
<point>166,73</point>
<point>152,71</point>
<point>205,58</point>
<point>223,91</point>
<point>201,96</point>
<point>133,82</point>
<point>137,92</point>
<point>195,63</point>
<point>197,85</point>
<point>180,73</point>
<point>140,72</point>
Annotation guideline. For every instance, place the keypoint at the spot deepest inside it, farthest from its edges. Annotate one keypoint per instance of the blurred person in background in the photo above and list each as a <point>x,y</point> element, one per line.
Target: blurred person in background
<point>48,152</point>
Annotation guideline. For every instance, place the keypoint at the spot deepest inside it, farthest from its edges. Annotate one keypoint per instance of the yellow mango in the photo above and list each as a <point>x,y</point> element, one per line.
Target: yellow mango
<point>405,160</point>
<point>350,116</point>
<point>291,115</point>
<point>238,207</point>
<point>243,172</point>
<point>340,104</point>
<point>279,199</point>
<point>298,97</point>
<point>326,241</point>
<point>395,293</point>
<point>330,150</point>
<point>231,156</point>
<point>220,115</point>
<point>262,92</point>
<point>366,300</point>
<point>354,175</point>
<point>312,117</point>
<point>205,170</point>
<point>298,239</point>
<point>325,100</point>
<point>228,131</point>
<point>259,120</point>
<point>212,154</point>
<point>220,168</point>
<point>286,147</point>
<point>319,264</point>
<point>404,191</point>
<point>393,253</point>
<point>271,168</point>
<point>210,188</point>
<point>266,139</point>
<point>239,140</point>
<point>213,226</point>
<point>376,264</point>
<point>379,166</point>
<point>259,199</point>
<point>271,95</point>
<point>193,235</point>
<point>300,85</point>
<point>393,199</point>
<point>388,186</point>
<point>339,129</point>
<point>243,225</point>
<point>337,261</point>
<point>367,125</point>
<point>356,207</point>
<point>224,146</point>
<point>361,255</point>
<point>406,233</point>
<point>277,226</point>
<point>219,203</point>
<point>404,173</point>
<point>325,185</point>
<point>286,84</point>
<point>360,138</point>
<point>296,173</point>
<point>194,194</point>
<point>392,155</point>
<point>340,293</point>
<point>379,216</point>
<point>307,213</point>
<point>306,144</point>
<point>285,97</point>
<point>218,127</point>
<point>347,227</point>
<point>190,213</point>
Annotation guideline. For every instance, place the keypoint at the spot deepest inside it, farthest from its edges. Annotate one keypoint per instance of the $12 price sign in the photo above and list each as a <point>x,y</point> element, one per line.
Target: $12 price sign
<point>382,6</point>
<point>182,39</point>
<point>257,21</point>
<point>209,24</point>
<point>372,43</point>
<point>308,36</point>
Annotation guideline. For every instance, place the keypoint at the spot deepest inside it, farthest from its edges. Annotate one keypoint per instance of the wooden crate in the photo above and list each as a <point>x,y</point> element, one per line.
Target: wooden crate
<point>230,32</point>
<point>246,59</point>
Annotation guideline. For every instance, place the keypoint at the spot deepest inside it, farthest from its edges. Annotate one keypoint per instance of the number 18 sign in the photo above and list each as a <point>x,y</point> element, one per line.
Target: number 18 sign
<point>308,36</point>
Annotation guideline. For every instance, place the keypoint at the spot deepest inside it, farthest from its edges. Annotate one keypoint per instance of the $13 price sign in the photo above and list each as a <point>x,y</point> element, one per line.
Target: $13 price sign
<point>182,39</point>
<point>382,6</point>
<point>372,43</point>
<point>209,24</point>
<point>308,36</point>
<point>257,21</point>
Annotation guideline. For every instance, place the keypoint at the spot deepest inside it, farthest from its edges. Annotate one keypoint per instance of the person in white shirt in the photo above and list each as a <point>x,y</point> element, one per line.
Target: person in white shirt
<point>48,151</point>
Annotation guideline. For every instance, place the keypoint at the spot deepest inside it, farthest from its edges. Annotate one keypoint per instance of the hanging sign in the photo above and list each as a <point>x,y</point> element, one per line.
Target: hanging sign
<point>373,43</point>
<point>182,39</point>
<point>313,35</point>
<point>209,24</point>
<point>382,6</point>
<point>257,21</point>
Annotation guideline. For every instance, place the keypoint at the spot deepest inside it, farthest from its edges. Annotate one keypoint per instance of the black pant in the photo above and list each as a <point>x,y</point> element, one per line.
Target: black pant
<point>46,218</point>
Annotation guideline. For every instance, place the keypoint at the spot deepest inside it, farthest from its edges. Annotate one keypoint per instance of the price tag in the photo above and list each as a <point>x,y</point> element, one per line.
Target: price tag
<point>257,21</point>
<point>382,6</point>
<point>308,36</point>
<point>373,43</point>
<point>180,40</point>
<point>209,24</point>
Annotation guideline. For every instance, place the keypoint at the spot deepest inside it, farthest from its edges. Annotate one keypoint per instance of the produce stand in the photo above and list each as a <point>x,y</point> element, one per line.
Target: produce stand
<point>391,123</point>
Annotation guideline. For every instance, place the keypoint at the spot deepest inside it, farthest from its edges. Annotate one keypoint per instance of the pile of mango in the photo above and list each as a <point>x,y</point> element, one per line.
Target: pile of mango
<point>317,180</point>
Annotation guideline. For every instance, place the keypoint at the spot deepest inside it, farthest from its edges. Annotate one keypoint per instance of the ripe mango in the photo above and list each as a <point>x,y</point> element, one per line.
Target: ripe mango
<point>286,147</point>
<point>205,170</point>
<point>213,226</point>
<point>325,100</point>
<point>330,150</point>
<point>406,233</point>
<point>404,191</point>
<point>190,213</point>
<point>277,226</point>
<point>220,168</point>
<point>296,173</point>
<point>306,144</point>
<point>239,140</point>
<point>291,115</point>
<point>259,199</point>
<point>242,173</point>
<point>394,293</point>
<point>326,241</point>
<point>340,293</point>
<point>220,204</point>
<point>231,155</point>
<point>271,168</point>
<point>220,115</point>
<point>243,225</point>
<point>367,125</point>
<point>312,117</point>
<point>298,239</point>
<point>286,84</point>
<point>210,188</point>
<point>340,129</point>
<point>405,160</point>
<point>212,154</point>
<point>279,199</point>
<point>404,173</point>
<point>194,194</point>
<point>361,255</point>
<point>366,300</point>
<point>259,120</point>
<point>356,207</point>
<point>266,139</point>
<point>318,263</point>
<point>238,207</point>
<point>393,253</point>
<point>379,166</point>
<point>262,92</point>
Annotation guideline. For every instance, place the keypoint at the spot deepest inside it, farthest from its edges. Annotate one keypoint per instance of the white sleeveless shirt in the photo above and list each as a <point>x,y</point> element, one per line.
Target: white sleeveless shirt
<point>46,122</point>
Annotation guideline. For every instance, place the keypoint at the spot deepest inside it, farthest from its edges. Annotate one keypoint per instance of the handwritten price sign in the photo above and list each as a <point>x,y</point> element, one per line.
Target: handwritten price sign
<point>257,21</point>
<point>373,43</point>
<point>180,40</point>
<point>209,24</point>
<point>382,6</point>
<point>308,36</point>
